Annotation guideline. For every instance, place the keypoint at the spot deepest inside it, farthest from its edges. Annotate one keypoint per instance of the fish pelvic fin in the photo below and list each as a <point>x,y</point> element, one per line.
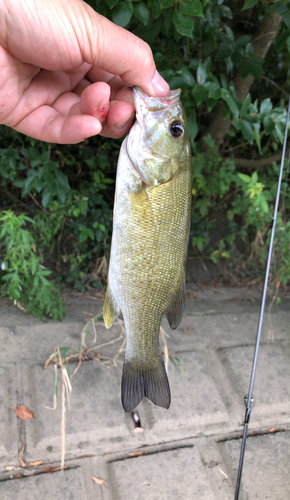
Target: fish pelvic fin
<point>175,311</point>
<point>111,309</point>
<point>139,382</point>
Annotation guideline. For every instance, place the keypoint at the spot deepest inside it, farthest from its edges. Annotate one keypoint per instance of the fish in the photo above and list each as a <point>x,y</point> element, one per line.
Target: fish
<point>152,212</point>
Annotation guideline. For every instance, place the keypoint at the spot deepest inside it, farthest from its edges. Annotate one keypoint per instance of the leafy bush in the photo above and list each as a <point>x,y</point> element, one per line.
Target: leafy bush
<point>25,279</point>
<point>56,201</point>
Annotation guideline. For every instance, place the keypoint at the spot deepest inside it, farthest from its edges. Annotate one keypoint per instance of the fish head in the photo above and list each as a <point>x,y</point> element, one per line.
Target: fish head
<point>158,142</point>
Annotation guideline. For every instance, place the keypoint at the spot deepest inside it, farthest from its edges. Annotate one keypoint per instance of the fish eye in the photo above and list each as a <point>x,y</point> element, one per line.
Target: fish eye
<point>176,129</point>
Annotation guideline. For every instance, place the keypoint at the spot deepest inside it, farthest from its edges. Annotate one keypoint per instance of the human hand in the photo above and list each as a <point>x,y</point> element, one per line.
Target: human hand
<point>65,71</point>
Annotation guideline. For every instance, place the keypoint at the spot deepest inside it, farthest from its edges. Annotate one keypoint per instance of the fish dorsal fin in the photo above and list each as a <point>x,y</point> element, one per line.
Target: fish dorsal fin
<point>111,309</point>
<point>175,311</point>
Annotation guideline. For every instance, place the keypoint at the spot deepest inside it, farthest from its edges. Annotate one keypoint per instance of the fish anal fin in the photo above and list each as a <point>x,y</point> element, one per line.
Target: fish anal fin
<point>175,311</point>
<point>139,382</point>
<point>111,309</point>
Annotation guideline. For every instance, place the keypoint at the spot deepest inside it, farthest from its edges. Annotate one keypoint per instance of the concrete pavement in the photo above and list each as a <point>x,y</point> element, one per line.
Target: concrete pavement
<point>190,451</point>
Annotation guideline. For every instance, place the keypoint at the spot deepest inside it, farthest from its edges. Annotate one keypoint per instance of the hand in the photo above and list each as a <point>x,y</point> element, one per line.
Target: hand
<point>65,71</point>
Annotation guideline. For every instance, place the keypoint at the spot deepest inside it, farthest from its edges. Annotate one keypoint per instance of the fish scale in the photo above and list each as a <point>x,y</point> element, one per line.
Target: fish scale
<point>149,244</point>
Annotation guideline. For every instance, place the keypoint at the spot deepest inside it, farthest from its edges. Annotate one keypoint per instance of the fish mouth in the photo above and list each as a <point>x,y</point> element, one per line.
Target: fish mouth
<point>156,103</point>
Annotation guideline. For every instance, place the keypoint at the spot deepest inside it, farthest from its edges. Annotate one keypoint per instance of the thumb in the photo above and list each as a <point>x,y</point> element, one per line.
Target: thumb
<point>117,51</point>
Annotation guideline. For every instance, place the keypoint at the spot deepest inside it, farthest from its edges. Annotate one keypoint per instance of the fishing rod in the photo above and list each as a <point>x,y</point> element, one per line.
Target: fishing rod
<point>249,398</point>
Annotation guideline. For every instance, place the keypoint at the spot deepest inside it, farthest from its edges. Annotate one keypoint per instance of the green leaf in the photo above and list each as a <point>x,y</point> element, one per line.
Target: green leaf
<point>246,105</point>
<point>230,102</point>
<point>249,49</point>
<point>254,178</point>
<point>207,47</point>
<point>201,74</point>
<point>158,57</point>
<point>183,24</point>
<point>237,57</point>
<point>60,193</point>
<point>247,130</point>
<point>245,178</point>
<point>203,204</point>
<point>269,124</point>
<point>214,90</point>
<point>199,93</point>
<point>111,3</point>
<point>155,8</point>
<point>281,40</point>
<point>192,126</point>
<point>191,8</point>
<point>224,82</point>
<point>244,68</point>
<point>223,52</point>
<point>211,103</point>
<point>230,33</point>
<point>167,74</point>
<point>243,40</point>
<point>225,11</point>
<point>164,4</point>
<point>266,105</point>
<point>257,136</point>
<point>91,163</point>
<point>141,12</point>
<point>255,66</point>
<point>46,199</point>
<point>187,76</point>
<point>264,205</point>
<point>249,3</point>
<point>279,7</point>
<point>286,19</point>
<point>123,13</point>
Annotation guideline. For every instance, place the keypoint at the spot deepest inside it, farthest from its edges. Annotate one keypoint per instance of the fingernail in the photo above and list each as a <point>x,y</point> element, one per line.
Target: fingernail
<point>159,85</point>
<point>124,123</point>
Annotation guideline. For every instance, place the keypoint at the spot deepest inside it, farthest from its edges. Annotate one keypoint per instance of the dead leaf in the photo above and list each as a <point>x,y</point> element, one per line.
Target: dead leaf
<point>23,464</point>
<point>38,462</point>
<point>23,412</point>
<point>53,469</point>
<point>272,429</point>
<point>136,453</point>
<point>99,481</point>
<point>192,295</point>
<point>138,430</point>
<point>11,467</point>
<point>17,476</point>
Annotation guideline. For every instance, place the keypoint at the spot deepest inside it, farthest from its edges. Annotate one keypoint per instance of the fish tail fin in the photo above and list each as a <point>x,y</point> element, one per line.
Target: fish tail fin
<point>139,382</point>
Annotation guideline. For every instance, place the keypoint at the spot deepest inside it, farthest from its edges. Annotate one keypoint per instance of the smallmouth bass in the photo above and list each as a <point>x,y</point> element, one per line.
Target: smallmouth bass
<point>152,214</point>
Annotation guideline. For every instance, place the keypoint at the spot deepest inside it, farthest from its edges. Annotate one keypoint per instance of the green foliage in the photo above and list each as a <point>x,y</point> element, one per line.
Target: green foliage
<point>247,202</point>
<point>60,198</point>
<point>24,277</point>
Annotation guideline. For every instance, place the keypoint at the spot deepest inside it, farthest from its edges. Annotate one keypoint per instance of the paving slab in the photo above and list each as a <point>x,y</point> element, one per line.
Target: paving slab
<point>192,449</point>
<point>67,485</point>
<point>196,401</point>
<point>266,473</point>
<point>175,474</point>
<point>272,388</point>
<point>95,420</point>
<point>8,421</point>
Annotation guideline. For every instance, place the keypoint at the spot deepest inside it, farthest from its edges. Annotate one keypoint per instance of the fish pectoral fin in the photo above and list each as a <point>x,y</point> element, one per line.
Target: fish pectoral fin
<point>175,311</point>
<point>139,382</point>
<point>111,309</point>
